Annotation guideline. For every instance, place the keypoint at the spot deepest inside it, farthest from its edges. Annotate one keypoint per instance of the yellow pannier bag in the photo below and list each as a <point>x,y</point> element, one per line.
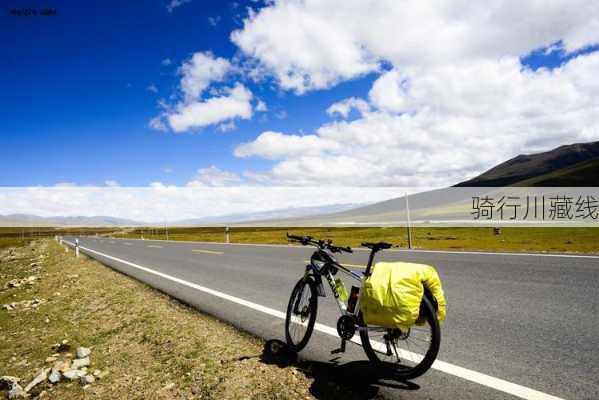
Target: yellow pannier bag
<point>391,296</point>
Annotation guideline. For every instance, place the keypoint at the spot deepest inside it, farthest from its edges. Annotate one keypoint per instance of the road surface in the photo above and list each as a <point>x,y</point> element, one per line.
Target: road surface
<point>518,326</point>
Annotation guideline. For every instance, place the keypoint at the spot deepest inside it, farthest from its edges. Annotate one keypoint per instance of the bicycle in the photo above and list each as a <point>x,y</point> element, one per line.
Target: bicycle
<point>407,354</point>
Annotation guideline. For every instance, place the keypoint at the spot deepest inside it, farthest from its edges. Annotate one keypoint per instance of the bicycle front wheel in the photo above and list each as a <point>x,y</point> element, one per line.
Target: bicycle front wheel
<point>301,314</point>
<point>408,353</point>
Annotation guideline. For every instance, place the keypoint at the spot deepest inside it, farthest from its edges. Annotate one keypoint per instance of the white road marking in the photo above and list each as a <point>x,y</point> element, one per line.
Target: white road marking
<point>206,251</point>
<point>154,246</point>
<point>450,369</point>
<point>396,250</point>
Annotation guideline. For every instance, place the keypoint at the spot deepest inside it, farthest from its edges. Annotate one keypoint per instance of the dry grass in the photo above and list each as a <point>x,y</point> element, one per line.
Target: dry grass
<point>556,240</point>
<point>152,346</point>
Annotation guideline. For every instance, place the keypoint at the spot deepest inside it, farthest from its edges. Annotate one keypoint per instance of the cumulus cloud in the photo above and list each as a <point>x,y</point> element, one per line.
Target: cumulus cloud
<point>197,109</point>
<point>200,71</point>
<point>449,123</point>
<point>236,103</point>
<point>452,99</point>
<point>214,176</point>
<point>344,107</point>
<point>313,44</point>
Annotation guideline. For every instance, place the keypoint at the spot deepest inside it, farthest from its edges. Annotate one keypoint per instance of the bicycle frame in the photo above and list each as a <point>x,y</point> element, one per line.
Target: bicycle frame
<point>326,271</point>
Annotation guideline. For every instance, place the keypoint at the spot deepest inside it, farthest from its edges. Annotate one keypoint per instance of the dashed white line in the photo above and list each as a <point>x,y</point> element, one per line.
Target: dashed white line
<point>207,251</point>
<point>448,368</point>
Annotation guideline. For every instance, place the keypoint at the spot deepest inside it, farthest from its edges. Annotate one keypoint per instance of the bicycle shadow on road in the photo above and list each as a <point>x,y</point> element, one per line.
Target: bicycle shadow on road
<point>352,380</point>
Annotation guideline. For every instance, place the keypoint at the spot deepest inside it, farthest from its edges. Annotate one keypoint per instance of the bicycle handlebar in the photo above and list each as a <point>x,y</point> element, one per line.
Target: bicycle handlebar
<point>321,244</point>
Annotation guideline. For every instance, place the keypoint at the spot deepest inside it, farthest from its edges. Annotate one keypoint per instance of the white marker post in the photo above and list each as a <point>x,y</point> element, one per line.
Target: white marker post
<point>76,247</point>
<point>227,234</point>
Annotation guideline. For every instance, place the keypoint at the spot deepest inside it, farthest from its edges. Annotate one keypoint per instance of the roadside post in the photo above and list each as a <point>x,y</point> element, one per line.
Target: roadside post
<point>227,234</point>
<point>76,247</point>
<point>408,223</point>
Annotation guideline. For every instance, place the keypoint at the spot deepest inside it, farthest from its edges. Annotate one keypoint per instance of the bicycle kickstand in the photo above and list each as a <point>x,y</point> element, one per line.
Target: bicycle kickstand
<point>340,349</point>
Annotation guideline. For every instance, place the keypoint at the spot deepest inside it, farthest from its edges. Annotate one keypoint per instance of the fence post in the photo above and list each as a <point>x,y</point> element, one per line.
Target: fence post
<point>76,247</point>
<point>227,234</point>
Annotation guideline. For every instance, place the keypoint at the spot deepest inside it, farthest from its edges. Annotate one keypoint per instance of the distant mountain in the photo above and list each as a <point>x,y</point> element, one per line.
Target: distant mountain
<point>34,220</point>
<point>107,221</point>
<point>569,165</point>
<point>290,212</point>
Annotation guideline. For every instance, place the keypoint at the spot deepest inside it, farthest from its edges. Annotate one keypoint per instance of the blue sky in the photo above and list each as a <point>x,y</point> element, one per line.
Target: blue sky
<point>75,99</point>
<point>75,103</point>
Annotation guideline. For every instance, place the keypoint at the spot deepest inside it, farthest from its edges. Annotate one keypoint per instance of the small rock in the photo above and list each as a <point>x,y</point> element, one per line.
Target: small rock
<point>83,352</point>
<point>97,373</point>
<point>73,374</point>
<point>80,363</point>
<point>8,307</point>
<point>87,379</point>
<point>47,320</point>
<point>7,382</point>
<point>50,359</point>
<point>17,392</point>
<point>41,377</point>
<point>168,386</point>
<point>54,376</point>
<point>62,366</point>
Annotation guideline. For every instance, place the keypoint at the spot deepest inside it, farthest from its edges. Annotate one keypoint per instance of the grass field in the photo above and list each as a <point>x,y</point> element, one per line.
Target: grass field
<point>556,240</point>
<point>15,236</point>
<point>146,345</point>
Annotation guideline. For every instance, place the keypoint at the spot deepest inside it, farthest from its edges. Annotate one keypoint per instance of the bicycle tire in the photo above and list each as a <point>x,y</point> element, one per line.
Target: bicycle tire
<point>298,345</point>
<point>400,371</point>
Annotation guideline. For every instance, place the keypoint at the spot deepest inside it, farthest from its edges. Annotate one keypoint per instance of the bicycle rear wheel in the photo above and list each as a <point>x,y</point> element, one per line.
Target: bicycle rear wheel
<point>408,354</point>
<point>301,314</point>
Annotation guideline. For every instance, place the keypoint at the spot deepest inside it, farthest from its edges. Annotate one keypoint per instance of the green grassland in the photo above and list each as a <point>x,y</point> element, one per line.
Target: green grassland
<point>530,239</point>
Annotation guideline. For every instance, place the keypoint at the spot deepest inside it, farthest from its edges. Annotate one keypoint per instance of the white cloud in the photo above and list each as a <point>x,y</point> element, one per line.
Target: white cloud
<point>159,201</point>
<point>111,183</point>
<point>313,44</point>
<point>452,100</point>
<point>344,107</point>
<point>158,124</point>
<point>446,124</point>
<point>172,4</point>
<point>261,106</point>
<point>199,72</point>
<point>167,170</point>
<point>166,62</point>
<point>226,127</point>
<point>276,145</point>
<point>213,176</point>
<point>235,104</point>
<point>152,88</point>
<point>214,20</point>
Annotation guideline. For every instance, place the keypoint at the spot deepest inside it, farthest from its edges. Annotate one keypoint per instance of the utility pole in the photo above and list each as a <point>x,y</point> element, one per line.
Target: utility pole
<point>408,221</point>
<point>166,229</point>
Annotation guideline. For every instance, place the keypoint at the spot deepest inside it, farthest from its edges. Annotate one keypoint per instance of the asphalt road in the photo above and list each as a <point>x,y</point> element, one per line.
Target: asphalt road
<point>530,321</point>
